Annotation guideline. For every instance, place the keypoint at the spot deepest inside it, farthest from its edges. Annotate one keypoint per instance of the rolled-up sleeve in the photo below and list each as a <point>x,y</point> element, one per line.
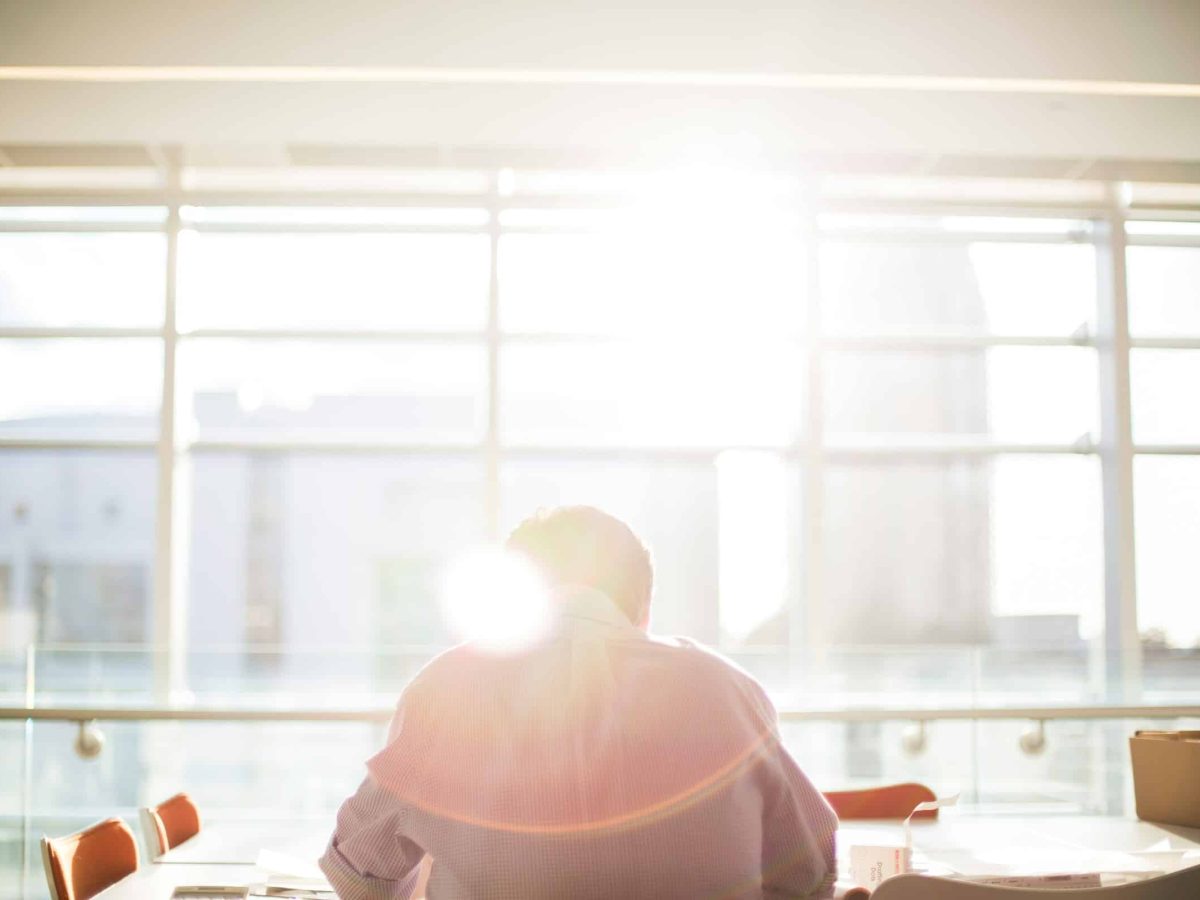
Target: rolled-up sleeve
<point>369,857</point>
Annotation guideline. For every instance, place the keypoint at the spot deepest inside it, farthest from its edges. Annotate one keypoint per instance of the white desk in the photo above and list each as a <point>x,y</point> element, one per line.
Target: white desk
<point>968,842</point>
<point>154,882</point>
<point>240,842</point>
<point>962,840</point>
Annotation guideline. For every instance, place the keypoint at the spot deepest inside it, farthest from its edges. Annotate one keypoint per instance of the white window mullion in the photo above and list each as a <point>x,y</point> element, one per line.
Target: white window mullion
<point>171,527</point>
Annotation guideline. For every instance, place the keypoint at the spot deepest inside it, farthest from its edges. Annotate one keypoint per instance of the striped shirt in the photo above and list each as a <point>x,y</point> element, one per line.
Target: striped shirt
<point>601,763</point>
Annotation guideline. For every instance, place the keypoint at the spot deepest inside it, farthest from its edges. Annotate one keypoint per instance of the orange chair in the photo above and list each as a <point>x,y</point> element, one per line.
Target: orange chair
<point>892,801</point>
<point>83,864</point>
<point>170,824</point>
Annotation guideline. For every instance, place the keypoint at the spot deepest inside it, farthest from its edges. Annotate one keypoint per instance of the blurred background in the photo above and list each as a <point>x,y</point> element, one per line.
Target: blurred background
<point>880,323</point>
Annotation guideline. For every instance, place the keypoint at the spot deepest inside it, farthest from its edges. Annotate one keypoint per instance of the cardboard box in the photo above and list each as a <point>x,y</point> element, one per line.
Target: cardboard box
<point>1166,776</point>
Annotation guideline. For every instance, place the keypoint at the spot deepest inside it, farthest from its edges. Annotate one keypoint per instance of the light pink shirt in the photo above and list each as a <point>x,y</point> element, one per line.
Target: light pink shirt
<point>602,763</point>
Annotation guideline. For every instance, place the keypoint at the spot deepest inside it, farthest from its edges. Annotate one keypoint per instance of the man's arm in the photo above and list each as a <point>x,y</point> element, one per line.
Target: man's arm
<point>799,832</point>
<point>799,827</point>
<point>368,857</point>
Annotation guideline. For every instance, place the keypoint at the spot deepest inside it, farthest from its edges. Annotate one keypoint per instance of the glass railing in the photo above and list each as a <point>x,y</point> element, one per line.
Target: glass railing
<point>893,676</point>
<point>1067,749</point>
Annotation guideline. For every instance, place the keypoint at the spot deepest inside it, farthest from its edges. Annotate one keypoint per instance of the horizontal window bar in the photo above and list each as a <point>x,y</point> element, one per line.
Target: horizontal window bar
<point>84,227</point>
<point>383,714</point>
<point>922,236</point>
<point>1006,209</point>
<point>82,331</point>
<point>25,440</point>
<point>1163,240</point>
<point>1176,212</point>
<point>903,341</point>
<point>948,341</point>
<point>560,200</point>
<point>330,228</point>
<point>1167,449</point>
<point>336,444</point>
<point>1166,343</point>
<point>336,334</point>
<point>867,451</point>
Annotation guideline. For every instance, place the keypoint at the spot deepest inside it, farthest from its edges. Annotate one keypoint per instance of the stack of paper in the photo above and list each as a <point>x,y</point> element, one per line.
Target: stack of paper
<point>288,876</point>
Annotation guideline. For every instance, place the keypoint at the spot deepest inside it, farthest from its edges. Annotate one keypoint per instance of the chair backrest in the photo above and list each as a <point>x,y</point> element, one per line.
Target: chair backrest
<point>171,823</point>
<point>1181,885</point>
<point>891,801</point>
<point>83,864</point>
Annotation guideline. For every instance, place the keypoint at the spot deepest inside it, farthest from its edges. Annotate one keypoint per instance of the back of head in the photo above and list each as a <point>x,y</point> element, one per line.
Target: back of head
<point>584,546</point>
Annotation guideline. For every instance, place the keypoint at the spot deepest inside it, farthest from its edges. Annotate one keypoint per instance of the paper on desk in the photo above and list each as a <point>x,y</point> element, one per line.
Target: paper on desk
<point>1170,857</point>
<point>282,865</point>
<point>939,803</point>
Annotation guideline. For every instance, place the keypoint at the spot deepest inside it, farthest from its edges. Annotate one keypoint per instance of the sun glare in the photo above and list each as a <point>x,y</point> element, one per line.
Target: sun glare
<point>496,600</point>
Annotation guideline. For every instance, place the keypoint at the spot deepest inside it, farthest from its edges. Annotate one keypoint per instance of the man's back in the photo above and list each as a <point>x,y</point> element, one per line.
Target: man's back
<point>601,763</point>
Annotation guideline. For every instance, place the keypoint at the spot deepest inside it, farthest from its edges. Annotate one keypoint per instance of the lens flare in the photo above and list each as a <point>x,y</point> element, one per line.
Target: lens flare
<point>497,601</point>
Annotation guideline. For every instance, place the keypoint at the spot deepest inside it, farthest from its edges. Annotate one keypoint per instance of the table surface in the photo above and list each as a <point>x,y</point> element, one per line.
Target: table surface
<point>155,882</point>
<point>968,842</point>
<point>241,842</point>
<point>962,840</point>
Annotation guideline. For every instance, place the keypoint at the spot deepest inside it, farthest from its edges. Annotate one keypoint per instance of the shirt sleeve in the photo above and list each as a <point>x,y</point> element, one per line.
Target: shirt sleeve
<point>369,857</point>
<point>799,852</point>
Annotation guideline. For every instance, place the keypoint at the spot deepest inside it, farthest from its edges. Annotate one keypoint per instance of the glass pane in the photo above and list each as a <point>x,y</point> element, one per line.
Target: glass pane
<point>1006,550</point>
<point>846,755</point>
<point>602,284</point>
<point>1047,550</point>
<point>732,393</point>
<point>1167,508</point>
<point>1000,288</point>
<point>71,385</point>
<point>1163,388</point>
<point>322,573</point>
<point>77,554</point>
<point>1164,290</point>
<point>758,496</point>
<point>1006,393</point>
<point>82,279</point>
<point>413,281</point>
<point>406,391</point>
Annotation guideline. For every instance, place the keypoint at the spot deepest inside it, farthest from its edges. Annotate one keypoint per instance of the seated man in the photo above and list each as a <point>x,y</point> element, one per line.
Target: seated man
<point>599,763</point>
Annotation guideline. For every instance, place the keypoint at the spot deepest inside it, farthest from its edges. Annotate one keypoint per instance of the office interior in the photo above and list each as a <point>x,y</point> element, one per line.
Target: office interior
<point>879,322</point>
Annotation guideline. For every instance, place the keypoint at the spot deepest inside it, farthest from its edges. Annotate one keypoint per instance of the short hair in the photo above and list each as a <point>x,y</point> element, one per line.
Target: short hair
<point>582,545</point>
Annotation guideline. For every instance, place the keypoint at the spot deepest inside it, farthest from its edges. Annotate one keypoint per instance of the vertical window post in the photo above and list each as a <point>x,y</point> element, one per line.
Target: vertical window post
<point>1122,650</point>
<point>492,440</point>
<point>170,527</point>
<point>808,639</point>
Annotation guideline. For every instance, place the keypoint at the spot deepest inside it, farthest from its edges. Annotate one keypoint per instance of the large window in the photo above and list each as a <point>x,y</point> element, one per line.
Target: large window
<point>1164,318</point>
<point>842,433</point>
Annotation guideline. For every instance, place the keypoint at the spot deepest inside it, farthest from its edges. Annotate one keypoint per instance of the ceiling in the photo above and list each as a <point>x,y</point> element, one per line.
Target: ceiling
<point>1071,88</point>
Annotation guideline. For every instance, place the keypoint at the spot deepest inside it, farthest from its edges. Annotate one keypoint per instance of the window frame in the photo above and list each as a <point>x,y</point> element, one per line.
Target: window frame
<point>1112,340</point>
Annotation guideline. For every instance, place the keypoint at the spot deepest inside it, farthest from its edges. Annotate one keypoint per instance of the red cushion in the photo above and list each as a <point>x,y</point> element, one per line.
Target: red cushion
<point>85,863</point>
<point>176,820</point>
<point>893,801</point>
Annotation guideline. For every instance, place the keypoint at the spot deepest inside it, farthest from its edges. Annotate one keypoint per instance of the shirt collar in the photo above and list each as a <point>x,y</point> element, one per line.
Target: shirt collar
<point>583,604</point>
